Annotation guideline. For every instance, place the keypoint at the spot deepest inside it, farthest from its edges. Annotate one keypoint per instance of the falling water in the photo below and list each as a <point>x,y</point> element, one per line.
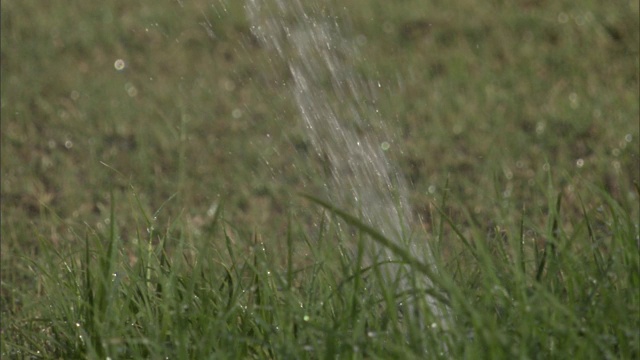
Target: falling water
<point>339,116</point>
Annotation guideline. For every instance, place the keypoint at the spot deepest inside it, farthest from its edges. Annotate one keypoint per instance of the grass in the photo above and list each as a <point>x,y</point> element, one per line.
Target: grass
<point>516,126</point>
<point>507,298</point>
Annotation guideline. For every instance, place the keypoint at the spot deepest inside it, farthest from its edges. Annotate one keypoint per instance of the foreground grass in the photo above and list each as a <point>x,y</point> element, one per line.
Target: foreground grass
<point>568,294</point>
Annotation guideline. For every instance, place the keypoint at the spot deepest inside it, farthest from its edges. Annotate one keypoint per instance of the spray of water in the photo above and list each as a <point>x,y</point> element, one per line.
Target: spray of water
<point>340,118</point>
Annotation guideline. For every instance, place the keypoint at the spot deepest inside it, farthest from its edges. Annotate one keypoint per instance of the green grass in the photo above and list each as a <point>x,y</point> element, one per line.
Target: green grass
<point>508,298</point>
<point>515,124</point>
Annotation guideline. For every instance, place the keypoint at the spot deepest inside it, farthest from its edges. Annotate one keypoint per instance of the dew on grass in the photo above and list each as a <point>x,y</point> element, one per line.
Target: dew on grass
<point>306,318</point>
<point>236,113</point>
<point>68,144</point>
<point>385,146</point>
<point>628,138</point>
<point>580,163</point>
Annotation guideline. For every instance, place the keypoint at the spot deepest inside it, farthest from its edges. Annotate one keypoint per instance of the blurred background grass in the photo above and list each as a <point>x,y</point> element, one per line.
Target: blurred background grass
<point>497,97</point>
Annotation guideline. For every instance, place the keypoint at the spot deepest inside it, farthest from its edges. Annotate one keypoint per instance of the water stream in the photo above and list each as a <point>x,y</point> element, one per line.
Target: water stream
<point>340,118</point>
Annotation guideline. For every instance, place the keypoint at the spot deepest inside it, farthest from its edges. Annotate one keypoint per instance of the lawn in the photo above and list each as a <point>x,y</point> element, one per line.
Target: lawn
<point>155,175</point>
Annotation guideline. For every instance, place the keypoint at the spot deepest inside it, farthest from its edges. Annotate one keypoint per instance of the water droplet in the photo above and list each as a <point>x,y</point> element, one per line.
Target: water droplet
<point>228,85</point>
<point>212,209</point>
<point>68,144</point>
<point>573,100</point>
<point>580,163</point>
<point>628,138</point>
<point>616,165</point>
<point>387,27</point>
<point>119,64</point>
<point>385,146</point>
<point>305,318</point>
<point>236,113</point>
<point>508,173</point>
<point>130,89</point>
<point>563,18</point>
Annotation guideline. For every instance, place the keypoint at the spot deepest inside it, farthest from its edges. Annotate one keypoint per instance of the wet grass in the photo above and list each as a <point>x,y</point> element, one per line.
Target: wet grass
<point>516,125</point>
<point>171,295</point>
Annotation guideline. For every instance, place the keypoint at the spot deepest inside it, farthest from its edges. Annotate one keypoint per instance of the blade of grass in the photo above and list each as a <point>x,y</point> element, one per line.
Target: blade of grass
<point>396,249</point>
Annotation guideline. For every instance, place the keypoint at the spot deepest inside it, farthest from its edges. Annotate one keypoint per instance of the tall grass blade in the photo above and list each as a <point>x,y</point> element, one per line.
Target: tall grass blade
<point>396,249</point>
